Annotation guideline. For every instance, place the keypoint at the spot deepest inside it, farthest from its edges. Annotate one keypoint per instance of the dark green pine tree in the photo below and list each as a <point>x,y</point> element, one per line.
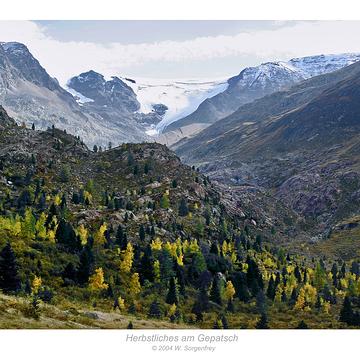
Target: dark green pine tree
<point>86,266</point>
<point>130,325</point>
<point>180,276</point>
<point>263,322</point>
<point>155,311</point>
<point>355,268</point>
<point>183,208</point>
<point>297,274</point>
<point>253,277</point>
<point>293,297</point>
<point>343,270</point>
<point>9,278</point>
<point>270,293</point>
<point>173,294</point>
<point>261,302</point>
<point>215,294</point>
<point>121,238</point>
<point>302,325</point>
<point>146,270</point>
<point>347,314</point>
<point>66,236</point>
<point>69,274</point>
<point>142,233</point>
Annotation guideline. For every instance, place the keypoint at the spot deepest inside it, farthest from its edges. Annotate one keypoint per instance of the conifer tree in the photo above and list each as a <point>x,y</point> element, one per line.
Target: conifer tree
<point>155,311</point>
<point>263,322</point>
<point>130,325</point>
<point>96,281</point>
<point>229,291</point>
<point>215,294</point>
<point>270,293</point>
<point>173,294</point>
<point>121,238</point>
<point>164,201</point>
<point>66,236</point>
<point>69,274</point>
<point>9,278</point>
<point>146,269</point>
<point>260,302</point>
<point>302,325</point>
<point>183,208</point>
<point>347,313</point>
<point>142,233</point>
<point>134,285</point>
<point>86,266</point>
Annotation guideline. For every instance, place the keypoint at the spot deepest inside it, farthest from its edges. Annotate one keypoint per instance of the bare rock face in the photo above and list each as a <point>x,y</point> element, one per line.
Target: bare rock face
<point>5,120</point>
<point>31,95</point>
<point>114,93</point>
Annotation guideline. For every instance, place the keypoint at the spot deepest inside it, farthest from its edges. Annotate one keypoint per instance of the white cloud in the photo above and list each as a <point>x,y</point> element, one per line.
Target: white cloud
<point>65,59</point>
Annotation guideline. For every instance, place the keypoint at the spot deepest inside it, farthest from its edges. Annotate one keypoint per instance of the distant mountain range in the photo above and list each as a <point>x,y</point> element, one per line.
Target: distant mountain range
<point>121,109</point>
<point>255,82</point>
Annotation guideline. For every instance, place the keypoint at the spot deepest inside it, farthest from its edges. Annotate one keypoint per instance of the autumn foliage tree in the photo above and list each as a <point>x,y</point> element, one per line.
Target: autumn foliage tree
<point>97,282</point>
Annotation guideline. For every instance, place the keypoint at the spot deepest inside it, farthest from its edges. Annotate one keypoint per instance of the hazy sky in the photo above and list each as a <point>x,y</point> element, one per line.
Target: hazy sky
<point>175,49</point>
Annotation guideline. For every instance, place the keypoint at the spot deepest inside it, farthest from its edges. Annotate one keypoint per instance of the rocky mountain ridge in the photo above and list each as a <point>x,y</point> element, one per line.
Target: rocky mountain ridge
<point>255,82</point>
<point>31,95</point>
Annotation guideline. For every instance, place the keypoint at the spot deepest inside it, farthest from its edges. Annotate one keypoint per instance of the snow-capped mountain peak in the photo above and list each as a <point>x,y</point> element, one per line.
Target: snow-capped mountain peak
<point>271,72</point>
<point>322,64</point>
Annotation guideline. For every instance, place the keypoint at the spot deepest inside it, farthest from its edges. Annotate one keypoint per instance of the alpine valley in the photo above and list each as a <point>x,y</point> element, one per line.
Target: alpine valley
<point>151,203</point>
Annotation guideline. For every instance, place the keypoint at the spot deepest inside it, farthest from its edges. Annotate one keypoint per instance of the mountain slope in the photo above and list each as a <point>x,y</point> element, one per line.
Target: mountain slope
<point>301,144</point>
<point>30,95</point>
<point>255,82</point>
<point>131,237</point>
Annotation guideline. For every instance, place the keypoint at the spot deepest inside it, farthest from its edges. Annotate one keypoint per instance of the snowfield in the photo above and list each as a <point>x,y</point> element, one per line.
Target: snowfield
<point>182,97</point>
<point>80,98</point>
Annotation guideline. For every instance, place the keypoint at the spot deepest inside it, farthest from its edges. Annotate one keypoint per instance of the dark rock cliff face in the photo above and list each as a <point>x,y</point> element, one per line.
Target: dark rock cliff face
<point>110,93</point>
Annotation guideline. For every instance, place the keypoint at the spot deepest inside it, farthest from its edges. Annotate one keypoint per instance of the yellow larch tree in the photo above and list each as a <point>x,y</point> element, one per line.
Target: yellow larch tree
<point>134,285</point>
<point>83,234</point>
<point>36,284</point>
<point>40,227</point>
<point>97,282</point>
<point>229,291</point>
<point>127,259</point>
<point>99,237</point>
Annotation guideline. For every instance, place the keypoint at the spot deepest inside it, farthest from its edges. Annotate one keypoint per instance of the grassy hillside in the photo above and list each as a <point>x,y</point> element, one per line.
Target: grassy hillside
<point>102,238</point>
